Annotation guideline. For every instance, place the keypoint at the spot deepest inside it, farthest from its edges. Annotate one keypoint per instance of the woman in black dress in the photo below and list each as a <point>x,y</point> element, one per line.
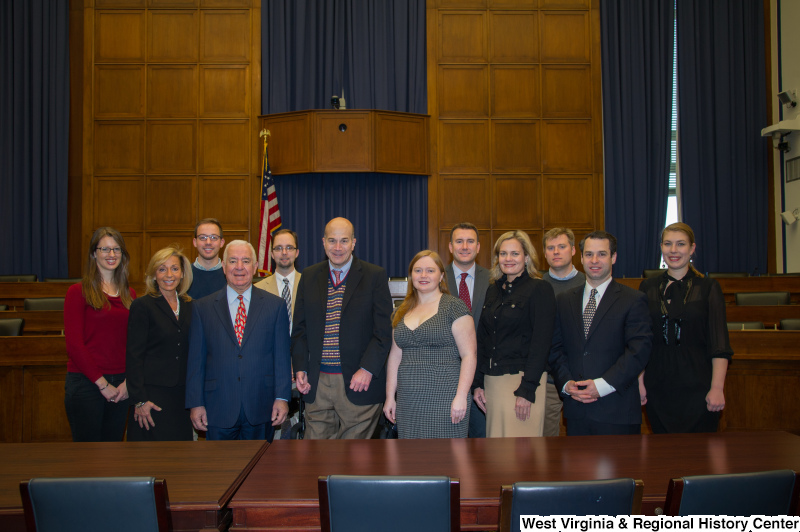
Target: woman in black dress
<point>682,385</point>
<point>158,347</point>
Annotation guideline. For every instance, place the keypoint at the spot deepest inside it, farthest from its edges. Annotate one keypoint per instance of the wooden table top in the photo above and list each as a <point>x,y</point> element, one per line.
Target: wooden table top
<point>287,473</point>
<point>200,475</point>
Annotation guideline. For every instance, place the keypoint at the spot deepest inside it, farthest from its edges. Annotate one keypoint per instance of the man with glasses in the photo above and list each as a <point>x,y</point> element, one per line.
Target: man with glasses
<point>208,276</point>
<point>286,279</point>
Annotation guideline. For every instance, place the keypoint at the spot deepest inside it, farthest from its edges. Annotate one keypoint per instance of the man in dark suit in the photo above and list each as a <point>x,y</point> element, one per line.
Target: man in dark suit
<point>340,339</point>
<point>239,377</point>
<point>468,281</point>
<point>601,344</point>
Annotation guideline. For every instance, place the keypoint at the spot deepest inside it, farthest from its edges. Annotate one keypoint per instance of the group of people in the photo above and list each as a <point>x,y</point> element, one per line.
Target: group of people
<point>468,352</point>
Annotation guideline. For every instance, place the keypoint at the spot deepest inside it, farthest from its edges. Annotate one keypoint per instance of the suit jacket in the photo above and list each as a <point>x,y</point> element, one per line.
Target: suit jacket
<point>158,345</point>
<point>478,291</point>
<point>616,349</point>
<point>365,329</point>
<point>270,284</point>
<point>224,376</point>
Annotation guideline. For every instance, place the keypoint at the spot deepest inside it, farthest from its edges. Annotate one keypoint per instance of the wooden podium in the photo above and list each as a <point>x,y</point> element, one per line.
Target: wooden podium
<point>348,141</point>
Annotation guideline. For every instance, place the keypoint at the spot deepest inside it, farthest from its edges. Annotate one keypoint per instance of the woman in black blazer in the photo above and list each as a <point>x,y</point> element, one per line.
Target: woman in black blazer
<point>157,350</point>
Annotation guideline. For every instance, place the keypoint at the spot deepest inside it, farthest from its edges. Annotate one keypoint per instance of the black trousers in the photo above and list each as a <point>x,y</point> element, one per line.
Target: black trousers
<point>587,427</point>
<point>91,417</point>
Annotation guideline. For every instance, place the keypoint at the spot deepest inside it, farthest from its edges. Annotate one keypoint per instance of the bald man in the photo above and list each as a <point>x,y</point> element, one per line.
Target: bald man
<point>341,337</point>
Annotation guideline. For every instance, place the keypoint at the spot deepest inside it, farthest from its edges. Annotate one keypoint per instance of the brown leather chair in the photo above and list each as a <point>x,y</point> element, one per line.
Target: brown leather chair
<point>11,326</point>
<point>763,298</point>
<point>745,325</point>
<point>43,303</point>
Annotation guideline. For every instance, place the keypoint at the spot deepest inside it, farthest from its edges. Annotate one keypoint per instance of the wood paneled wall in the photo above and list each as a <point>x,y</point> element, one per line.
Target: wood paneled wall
<point>514,99</point>
<point>170,93</point>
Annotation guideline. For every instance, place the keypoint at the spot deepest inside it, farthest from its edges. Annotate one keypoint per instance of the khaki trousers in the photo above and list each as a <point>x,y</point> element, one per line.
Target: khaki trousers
<point>333,417</point>
<point>501,417</point>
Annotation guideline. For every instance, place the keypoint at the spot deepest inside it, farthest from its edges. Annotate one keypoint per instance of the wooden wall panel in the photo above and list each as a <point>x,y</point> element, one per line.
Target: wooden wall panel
<point>567,91</point>
<point>119,91</point>
<point>224,198</point>
<point>565,37</point>
<point>398,145</point>
<point>226,3</point>
<point>119,202</point>
<point>225,36</point>
<point>466,194</point>
<point>515,146</point>
<point>171,147</point>
<point>171,202</point>
<point>119,36</point>
<point>172,36</point>
<point>540,151</point>
<point>171,91</point>
<point>463,146</point>
<point>224,91</point>
<point>514,37</point>
<point>135,244</point>
<point>567,146</point>
<point>172,3</point>
<point>518,201</point>
<point>156,241</point>
<point>463,37</point>
<point>571,203</point>
<point>120,3</point>
<point>463,91</point>
<point>44,418</point>
<point>11,404</point>
<point>224,146</point>
<point>119,147</point>
<point>515,91</point>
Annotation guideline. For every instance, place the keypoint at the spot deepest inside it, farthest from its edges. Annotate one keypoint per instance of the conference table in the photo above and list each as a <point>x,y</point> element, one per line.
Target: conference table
<point>201,476</point>
<point>280,493</point>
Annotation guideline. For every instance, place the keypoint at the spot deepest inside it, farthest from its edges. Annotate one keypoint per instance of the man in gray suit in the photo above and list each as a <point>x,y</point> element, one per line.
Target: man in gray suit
<point>468,281</point>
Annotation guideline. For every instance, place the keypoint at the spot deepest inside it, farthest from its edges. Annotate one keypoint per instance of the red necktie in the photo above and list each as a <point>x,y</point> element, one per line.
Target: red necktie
<point>338,274</point>
<point>241,319</point>
<point>463,291</point>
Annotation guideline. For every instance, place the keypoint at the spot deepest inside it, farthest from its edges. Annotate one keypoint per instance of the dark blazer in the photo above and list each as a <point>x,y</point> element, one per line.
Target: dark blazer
<point>224,376</point>
<point>158,345</point>
<point>365,329</point>
<point>478,291</point>
<point>616,349</point>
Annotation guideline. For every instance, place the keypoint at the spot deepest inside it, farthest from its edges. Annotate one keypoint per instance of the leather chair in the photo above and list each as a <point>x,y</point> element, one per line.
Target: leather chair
<point>24,278</point>
<point>790,324</point>
<point>121,504</point>
<point>745,325</point>
<point>3,307</point>
<point>745,494</point>
<point>389,503</point>
<point>621,496</point>
<point>727,275</point>
<point>763,298</point>
<point>647,274</point>
<point>11,326</point>
<point>72,280</point>
<point>43,303</point>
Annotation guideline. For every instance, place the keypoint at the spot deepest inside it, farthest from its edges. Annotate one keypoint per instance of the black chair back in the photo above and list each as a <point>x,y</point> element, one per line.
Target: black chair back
<point>727,275</point>
<point>621,496</point>
<point>23,278</point>
<point>11,326</point>
<point>121,504</point>
<point>763,298</point>
<point>43,303</point>
<point>742,325</point>
<point>745,494</point>
<point>389,503</point>
<point>3,307</point>
<point>652,273</point>
<point>790,324</point>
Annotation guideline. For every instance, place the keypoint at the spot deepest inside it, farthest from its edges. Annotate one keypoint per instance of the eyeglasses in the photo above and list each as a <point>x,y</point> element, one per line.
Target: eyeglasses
<point>107,250</point>
<point>204,238</point>
<point>281,249</point>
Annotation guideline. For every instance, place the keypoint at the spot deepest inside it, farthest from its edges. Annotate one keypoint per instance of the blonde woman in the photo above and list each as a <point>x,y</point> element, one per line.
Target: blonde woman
<point>514,337</point>
<point>432,360</point>
<point>96,329</point>
<point>158,348</point>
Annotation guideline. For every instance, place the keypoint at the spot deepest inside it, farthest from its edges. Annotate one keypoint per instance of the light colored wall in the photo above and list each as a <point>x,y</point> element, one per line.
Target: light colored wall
<point>787,22</point>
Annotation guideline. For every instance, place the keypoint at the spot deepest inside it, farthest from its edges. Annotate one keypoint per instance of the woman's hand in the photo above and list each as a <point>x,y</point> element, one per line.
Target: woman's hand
<point>715,400</point>
<point>122,392</point>
<point>110,392</point>
<point>480,399</point>
<point>643,390</point>
<point>142,414</point>
<point>523,409</point>
<point>458,409</point>
<point>389,408</point>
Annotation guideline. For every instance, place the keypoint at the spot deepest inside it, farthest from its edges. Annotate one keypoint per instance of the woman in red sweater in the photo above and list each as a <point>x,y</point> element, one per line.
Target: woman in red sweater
<point>96,330</point>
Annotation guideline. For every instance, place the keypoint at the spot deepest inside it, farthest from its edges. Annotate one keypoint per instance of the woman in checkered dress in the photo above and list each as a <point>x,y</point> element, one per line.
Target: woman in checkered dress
<point>433,357</point>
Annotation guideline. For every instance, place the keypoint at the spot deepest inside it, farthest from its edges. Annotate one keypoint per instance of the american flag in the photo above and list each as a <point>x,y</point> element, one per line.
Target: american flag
<point>270,217</point>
